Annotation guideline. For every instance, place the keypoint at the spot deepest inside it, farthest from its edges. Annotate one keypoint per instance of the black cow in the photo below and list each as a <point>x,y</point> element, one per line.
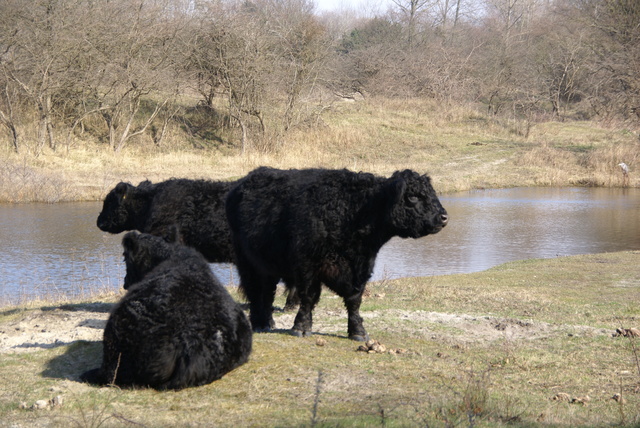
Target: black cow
<point>196,207</point>
<point>322,226</point>
<point>176,327</point>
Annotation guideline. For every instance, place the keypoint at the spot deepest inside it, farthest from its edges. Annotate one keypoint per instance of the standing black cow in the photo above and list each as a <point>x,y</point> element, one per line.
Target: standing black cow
<point>176,327</point>
<point>196,207</point>
<point>322,226</point>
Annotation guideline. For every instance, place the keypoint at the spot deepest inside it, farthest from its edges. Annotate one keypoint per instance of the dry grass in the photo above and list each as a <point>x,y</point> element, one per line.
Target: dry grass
<point>460,147</point>
<point>523,344</point>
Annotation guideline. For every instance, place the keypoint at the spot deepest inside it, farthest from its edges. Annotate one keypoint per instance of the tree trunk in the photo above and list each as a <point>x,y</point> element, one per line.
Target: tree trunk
<point>50,135</point>
<point>42,133</point>
<point>14,138</point>
<point>243,127</point>
<point>6,120</point>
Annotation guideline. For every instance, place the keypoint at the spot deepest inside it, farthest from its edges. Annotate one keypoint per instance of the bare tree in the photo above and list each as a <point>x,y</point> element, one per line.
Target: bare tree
<point>303,47</point>
<point>261,56</point>
<point>411,10</point>
<point>9,97</point>
<point>615,44</point>
<point>36,56</point>
<point>560,60</point>
<point>136,69</point>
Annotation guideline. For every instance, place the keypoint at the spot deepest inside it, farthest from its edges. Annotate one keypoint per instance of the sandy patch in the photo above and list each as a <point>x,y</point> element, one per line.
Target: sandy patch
<point>39,329</point>
<point>49,328</point>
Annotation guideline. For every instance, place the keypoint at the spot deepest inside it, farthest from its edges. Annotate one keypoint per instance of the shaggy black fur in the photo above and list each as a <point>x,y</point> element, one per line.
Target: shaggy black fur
<point>195,206</point>
<point>176,327</point>
<point>322,226</point>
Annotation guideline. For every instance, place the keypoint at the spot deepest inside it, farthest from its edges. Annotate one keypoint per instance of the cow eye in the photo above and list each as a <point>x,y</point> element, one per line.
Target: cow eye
<point>412,200</point>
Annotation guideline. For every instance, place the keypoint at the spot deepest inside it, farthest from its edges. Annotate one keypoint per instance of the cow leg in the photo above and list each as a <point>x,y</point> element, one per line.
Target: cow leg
<point>261,305</point>
<point>309,297</point>
<point>355,327</point>
<point>260,291</point>
<point>293,300</point>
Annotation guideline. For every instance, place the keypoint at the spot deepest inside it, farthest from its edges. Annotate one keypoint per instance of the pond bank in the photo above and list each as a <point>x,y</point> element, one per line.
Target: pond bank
<point>450,144</point>
<point>525,343</point>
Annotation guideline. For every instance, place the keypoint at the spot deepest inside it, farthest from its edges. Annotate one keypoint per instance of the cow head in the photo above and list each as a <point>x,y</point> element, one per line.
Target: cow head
<point>415,209</point>
<point>142,253</point>
<point>121,208</point>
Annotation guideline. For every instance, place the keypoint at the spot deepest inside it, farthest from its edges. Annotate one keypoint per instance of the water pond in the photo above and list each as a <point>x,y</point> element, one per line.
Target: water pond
<point>56,250</point>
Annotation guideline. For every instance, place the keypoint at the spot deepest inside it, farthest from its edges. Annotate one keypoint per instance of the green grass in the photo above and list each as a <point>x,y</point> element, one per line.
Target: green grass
<point>505,347</point>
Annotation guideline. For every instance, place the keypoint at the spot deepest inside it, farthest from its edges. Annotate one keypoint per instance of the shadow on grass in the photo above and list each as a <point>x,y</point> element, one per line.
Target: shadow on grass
<point>81,356</point>
<point>289,332</point>
<point>99,307</point>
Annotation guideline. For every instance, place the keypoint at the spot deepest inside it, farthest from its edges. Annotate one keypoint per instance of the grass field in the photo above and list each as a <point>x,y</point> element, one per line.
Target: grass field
<point>529,343</point>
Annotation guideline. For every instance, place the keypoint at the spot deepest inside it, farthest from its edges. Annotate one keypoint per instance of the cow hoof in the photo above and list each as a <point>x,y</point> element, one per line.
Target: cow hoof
<point>300,333</point>
<point>359,337</point>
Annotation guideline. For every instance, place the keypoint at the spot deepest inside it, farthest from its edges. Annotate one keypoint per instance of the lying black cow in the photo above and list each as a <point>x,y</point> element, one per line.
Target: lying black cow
<point>322,226</point>
<point>176,327</point>
<point>196,207</point>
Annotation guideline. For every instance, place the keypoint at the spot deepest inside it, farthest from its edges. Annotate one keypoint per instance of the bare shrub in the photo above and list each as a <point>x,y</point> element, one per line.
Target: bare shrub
<point>20,182</point>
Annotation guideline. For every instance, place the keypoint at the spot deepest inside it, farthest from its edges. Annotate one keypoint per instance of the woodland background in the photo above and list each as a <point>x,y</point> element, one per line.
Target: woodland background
<point>243,74</point>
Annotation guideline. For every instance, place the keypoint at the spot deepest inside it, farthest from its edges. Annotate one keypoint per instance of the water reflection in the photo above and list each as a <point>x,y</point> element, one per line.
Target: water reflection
<point>490,227</point>
<point>57,249</point>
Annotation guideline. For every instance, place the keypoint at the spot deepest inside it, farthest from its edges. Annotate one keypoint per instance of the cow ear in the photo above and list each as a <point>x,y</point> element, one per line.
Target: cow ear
<point>173,235</point>
<point>395,190</point>
<point>130,241</point>
<point>122,189</point>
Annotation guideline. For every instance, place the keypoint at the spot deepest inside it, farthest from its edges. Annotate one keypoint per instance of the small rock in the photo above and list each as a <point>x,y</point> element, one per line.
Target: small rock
<point>56,401</point>
<point>619,398</point>
<point>561,396</point>
<point>581,400</point>
<point>627,332</point>
<point>379,348</point>
<point>320,341</point>
<point>363,348</point>
<point>23,405</point>
<point>40,405</point>
<point>633,332</point>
